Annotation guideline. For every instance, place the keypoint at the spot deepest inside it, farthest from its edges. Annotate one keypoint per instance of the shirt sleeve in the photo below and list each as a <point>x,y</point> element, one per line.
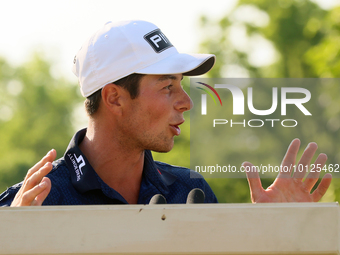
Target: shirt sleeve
<point>7,196</point>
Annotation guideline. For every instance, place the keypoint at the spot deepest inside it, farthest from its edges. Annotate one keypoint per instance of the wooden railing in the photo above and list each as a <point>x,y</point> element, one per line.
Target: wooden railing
<point>304,228</point>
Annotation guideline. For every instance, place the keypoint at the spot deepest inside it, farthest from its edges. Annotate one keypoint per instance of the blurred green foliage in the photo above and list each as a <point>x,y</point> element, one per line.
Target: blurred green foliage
<point>299,40</point>
<point>35,116</point>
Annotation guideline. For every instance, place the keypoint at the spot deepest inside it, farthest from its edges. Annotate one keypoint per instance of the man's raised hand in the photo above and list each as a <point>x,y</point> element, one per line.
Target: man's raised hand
<point>36,186</point>
<point>289,185</point>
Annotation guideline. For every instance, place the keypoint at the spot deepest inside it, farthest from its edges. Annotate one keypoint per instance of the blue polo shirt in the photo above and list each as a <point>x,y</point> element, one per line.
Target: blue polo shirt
<point>75,182</point>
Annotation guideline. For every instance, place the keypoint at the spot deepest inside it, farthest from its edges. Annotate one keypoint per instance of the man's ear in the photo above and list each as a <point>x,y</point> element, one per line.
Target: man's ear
<point>112,97</point>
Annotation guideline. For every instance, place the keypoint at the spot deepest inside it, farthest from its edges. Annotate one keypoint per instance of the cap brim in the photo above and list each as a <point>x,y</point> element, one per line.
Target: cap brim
<point>186,64</point>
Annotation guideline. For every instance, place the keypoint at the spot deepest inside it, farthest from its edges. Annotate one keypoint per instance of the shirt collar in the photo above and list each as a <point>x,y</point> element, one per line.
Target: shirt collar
<point>84,177</point>
<point>160,179</point>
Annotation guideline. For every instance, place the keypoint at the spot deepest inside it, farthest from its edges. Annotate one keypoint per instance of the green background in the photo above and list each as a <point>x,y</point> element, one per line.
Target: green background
<point>38,111</point>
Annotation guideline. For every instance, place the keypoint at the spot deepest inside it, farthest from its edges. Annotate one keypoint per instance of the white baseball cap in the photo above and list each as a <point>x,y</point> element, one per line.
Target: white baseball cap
<point>120,49</point>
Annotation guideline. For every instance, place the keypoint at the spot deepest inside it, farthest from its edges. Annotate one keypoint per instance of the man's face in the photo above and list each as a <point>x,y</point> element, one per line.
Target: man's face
<point>152,119</point>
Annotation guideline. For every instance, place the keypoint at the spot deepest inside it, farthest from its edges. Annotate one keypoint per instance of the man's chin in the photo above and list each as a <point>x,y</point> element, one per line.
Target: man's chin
<point>163,149</point>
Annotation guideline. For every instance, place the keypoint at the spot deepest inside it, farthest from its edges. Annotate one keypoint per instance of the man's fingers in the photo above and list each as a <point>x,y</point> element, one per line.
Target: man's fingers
<point>314,173</point>
<point>289,159</point>
<point>304,163</point>
<point>36,178</point>
<point>33,189</point>
<point>29,196</point>
<point>322,188</point>
<point>46,183</point>
<point>49,157</point>
<point>254,181</point>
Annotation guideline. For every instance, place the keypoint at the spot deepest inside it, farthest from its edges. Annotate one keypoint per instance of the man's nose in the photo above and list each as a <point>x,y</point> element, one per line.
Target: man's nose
<point>184,102</point>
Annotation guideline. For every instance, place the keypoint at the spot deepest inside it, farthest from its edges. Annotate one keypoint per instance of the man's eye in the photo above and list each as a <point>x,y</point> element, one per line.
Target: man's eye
<point>168,87</point>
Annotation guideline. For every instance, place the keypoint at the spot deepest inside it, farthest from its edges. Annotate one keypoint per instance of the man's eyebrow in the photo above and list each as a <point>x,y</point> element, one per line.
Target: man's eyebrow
<point>166,77</point>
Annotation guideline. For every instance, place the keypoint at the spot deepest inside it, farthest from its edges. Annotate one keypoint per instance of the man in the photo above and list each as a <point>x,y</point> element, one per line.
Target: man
<point>131,75</point>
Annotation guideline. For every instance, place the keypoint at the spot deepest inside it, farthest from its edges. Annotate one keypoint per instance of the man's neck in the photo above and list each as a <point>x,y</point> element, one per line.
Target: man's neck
<point>119,167</point>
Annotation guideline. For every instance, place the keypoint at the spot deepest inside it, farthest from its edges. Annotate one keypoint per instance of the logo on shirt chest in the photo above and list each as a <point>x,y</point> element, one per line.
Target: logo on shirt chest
<point>78,163</point>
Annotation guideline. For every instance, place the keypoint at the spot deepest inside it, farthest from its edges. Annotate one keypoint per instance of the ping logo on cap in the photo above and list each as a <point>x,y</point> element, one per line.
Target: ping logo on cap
<point>158,41</point>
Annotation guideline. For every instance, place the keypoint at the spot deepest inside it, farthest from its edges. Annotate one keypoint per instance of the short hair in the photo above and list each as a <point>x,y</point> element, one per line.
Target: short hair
<point>130,83</point>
